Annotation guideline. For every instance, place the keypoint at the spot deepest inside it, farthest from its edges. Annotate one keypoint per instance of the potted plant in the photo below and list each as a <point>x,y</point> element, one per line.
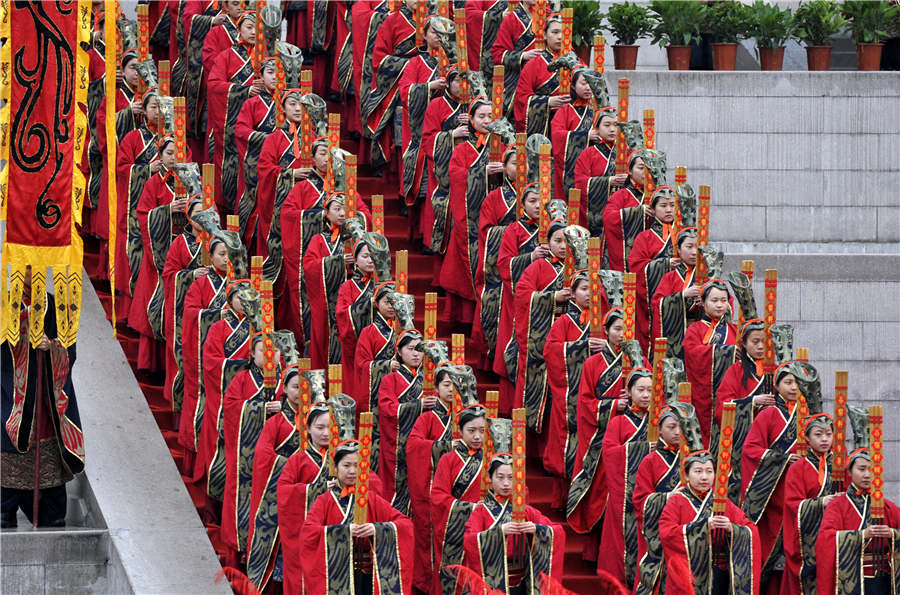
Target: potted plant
<point>628,22</point>
<point>677,25</point>
<point>816,21</point>
<point>771,27</point>
<point>728,21</point>
<point>869,23</point>
<point>587,21</point>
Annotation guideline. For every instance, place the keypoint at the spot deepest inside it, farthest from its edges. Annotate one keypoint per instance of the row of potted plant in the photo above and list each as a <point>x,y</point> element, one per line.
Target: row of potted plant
<point>675,24</point>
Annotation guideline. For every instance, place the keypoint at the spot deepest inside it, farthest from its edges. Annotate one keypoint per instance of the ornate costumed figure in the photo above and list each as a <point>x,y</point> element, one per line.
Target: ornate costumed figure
<point>354,313</point>
<point>572,132</point>
<point>595,174</point>
<point>537,90</point>
<point>375,349</point>
<point>675,304</point>
<point>623,216</point>
<point>514,47</point>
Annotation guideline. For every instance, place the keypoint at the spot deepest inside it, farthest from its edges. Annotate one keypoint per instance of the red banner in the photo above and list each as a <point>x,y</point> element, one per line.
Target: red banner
<point>44,72</point>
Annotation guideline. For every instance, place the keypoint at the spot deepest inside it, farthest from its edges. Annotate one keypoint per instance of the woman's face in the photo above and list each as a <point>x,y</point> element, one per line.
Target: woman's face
<point>670,431</point>
<point>787,387</point>
<point>861,473</point>
<point>687,251</point>
<point>293,109</point>
<point>554,37</point>
<point>292,390</point>
<point>473,433</point>
<point>259,354</point>
<point>236,304</point>
<point>510,168</point>
<point>558,244</point>
<point>167,155</point>
<point>701,476</point>
<point>411,356</point>
<point>247,31</point>
<point>321,158</point>
<point>336,213</point>
<point>755,344</point>
<point>346,469</point>
<point>364,260</point>
<point>583,89</point>
<point>637,171</point>
<point>716,303</point>
<point>665,209</point>
<point>582,294</point>
<point>481,118</point>
<point>268,77</point>
<point>193,211</point>
<point>615,331</point>
<point>445,389</point>
<point>531,204</point>
<point>130,73</point>
<point>641,392</point>
<point>431,38</point>
<point>319,433</point>
<point>454,87</point>
<point>219,258</point>
<point>385,308</point>
<point>607,128</point>
<point>502,480</point>
<point>151,109</point>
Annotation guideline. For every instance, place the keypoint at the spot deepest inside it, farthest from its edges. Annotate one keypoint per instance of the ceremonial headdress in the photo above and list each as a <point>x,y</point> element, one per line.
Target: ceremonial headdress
<point>469,413</point>
<point>662,192</point>
<point>685,233</point>
<point>501,434</point>
<point>710,285</point>
<point>859,421</point>
<point>636,374</point>
<point>818,420</point>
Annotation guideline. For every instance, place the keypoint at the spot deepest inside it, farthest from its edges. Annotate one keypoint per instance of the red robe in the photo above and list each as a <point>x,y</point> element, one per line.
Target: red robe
<point>658,472</point>
<point>801,484</point>
<point>399,402</point>
<point>698,364</point>
<point>843,514</point>
<point>430,435</point>
<point>156,193</point>
<point>444,496</point>
<point>215,358</point>
<point>274,158</point>
<point>219,39</point>
<point>770,425</point>
<point>376,342</point>
<point>184,253</point>
<point>417,72</point>
<point>362,13</point>
<point>302,480</point>
<point>101,218</point>
<point>648,247</point>
<point>567,120</point>
<point>330,510</point>
<point>253,117</point>
<point>536,85</point>
<point>672,282</point>
<point>228,88</point>
<point>457,273</point>
<point>355,293</point>
<point>440,117</point>
<point>198,298</point>
<point>592,163</point>
<point>613,235</point>
<point>734,387</point>
<point>514,37</point>
<point>619,434</point>
<point>679,513</point>
<point>319,249</point>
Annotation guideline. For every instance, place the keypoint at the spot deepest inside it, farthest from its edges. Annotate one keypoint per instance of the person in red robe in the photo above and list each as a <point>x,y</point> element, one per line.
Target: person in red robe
<point>367,16</point>
<point>565,351</point>
<point>765,456</point>
<point>325,269</point>
<point>224,33</point>
<point>335,549</point>
<point>744,384</point>
<point>278,442</point>
<point>469,171</point>
<point>483,19</point>
<point>374,357</point>
<point>354,313</point>
<point>601,395</point>
<point>855,549</point>
<point>303,479</point>
<point>512,556</point>
<point>454,491</point>
<point>518,249</point>
<point>537,93</point>
<point>619,232</point>
<point>514,47</point>
<point>182,268</point>
<point>92,161</point>
<point>225,351</point>
<point>159,193</point>
<point>624,447</point>
<point>595,172</point>
<point>571,132</point>
<point>497,212</point>
<point>658,474</point>
<point>206,292</point>
<point>651,258</point>
<point>429,440</point>
<point>231,82</point>
<point>709,351</point>
<point>400,403</point>
<point>420,82</point>
<point>808,490</point>
<point>536,297</point>
<point>676,302</point>
<point>395,46</point>
<point>705,552</point>
<point>245,406</point>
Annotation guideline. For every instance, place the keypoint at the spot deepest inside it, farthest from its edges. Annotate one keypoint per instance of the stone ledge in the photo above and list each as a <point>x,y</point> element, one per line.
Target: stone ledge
<point>817,266</point>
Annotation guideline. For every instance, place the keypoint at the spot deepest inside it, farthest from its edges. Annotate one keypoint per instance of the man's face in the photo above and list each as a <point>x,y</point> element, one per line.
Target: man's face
<point>554,37</point>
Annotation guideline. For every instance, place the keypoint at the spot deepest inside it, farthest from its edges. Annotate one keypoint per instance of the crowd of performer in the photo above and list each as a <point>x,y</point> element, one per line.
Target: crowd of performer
<point>341,446</point>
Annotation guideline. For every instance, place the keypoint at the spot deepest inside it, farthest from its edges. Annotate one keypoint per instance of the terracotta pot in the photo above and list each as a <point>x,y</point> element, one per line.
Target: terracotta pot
<point>679,57</point>
<point>625,56</point>
<point>869,56</point>
<point>724,56</point>
<point>771,58</point>
<point>818,57</point>
<point>583,52</point>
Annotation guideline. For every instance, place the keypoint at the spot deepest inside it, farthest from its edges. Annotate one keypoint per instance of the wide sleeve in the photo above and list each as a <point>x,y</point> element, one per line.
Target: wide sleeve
<point>345,300</point>
<point>316,531</point>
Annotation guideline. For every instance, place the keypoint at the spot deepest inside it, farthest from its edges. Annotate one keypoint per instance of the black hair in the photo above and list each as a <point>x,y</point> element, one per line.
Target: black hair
<point>468,415</point>
<point>635,377</point>
<point>313,415</point>
<point>611,319</point>
<point>577,280</point>
<point>496,464</point>
<point>340,453</point>
<point>683,236</point>
<point>713,285</point>
<point>579,72</point>
<point>406,340</point>
<point>440,374</point>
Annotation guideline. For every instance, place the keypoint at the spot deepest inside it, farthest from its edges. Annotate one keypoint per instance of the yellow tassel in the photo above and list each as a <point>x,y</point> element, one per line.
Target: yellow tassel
<point>111,33</point>
<point>38,306</point>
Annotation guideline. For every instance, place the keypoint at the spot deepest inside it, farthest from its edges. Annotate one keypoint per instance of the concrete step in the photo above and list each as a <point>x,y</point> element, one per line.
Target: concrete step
<point>50,561</point>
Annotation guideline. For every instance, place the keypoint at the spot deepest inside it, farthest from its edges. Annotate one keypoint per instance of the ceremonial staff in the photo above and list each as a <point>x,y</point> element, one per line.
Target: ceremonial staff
<point>839,448</point>
<point>361,501</point>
